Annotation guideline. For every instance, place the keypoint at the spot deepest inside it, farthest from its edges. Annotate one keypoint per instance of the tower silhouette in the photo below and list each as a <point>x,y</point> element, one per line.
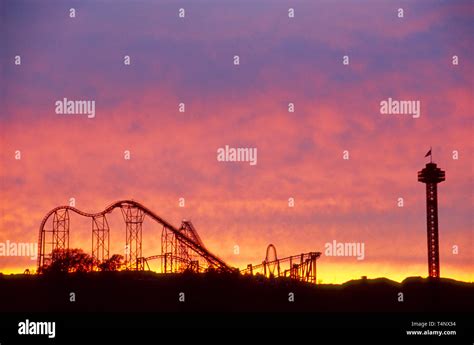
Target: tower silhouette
<point>431,175</point>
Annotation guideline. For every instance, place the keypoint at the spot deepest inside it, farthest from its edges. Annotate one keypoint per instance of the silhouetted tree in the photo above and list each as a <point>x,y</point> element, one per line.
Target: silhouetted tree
<point>70,260</point>
<point>114,263</point>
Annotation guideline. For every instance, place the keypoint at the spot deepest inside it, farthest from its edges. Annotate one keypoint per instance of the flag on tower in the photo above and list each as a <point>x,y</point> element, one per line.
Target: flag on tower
<point>428,153</point>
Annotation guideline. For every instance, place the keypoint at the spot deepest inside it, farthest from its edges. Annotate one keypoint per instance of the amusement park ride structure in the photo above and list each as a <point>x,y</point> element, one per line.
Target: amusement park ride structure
<point>181,247</point>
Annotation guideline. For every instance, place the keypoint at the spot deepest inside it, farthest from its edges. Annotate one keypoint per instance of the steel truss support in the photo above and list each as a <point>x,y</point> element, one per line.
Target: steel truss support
<point>189,258</point>
<point>133,217</point>
<point>55,241</point>
<point>307,271</point>
<point>100,240</point>
<point>176,255</point>
<point>169,249</point>
<point>60,233</point>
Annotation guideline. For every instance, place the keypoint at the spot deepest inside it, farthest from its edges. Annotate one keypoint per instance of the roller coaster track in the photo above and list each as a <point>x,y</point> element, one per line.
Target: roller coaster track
<point>192,266</point>
<point>300,267</point>
<point>61,217</point>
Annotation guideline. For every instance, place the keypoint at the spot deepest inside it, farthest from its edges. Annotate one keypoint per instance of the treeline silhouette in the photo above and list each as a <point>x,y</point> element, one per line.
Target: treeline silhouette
<point>76,260</point>
<point>124,291</point>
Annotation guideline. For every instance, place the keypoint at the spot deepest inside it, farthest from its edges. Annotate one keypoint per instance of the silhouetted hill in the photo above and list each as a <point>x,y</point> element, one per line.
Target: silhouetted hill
<point>148,291</point>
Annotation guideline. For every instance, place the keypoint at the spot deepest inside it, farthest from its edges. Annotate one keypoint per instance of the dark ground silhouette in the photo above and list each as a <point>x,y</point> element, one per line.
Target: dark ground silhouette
<point>147,291</point>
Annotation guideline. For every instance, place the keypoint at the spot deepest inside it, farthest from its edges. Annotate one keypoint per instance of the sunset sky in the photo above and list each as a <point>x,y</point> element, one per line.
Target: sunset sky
<point>300,154</point>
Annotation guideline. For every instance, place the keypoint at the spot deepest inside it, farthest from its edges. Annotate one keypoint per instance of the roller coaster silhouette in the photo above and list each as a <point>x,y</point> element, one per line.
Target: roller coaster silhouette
<point>181,248</point>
